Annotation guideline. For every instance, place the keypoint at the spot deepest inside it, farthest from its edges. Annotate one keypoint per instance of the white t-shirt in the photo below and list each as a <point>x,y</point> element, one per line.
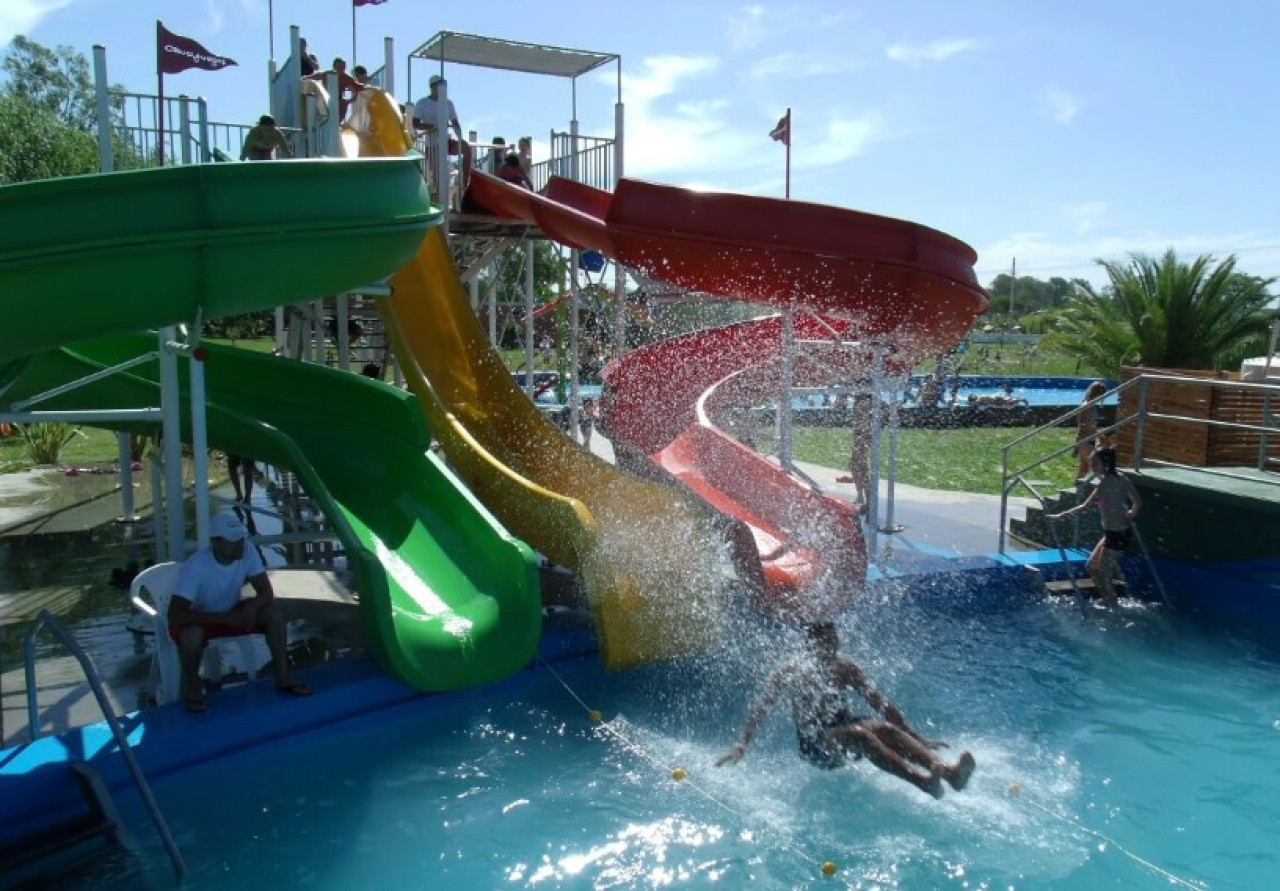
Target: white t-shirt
<point>213,587</point>
<point>426,109</point>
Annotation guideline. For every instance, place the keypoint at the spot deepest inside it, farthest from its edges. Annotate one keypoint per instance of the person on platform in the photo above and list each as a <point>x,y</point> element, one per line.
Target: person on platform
<point>206,604</point>
<point>264,140</point>
<point>829,731</point>
<point>241,471</point>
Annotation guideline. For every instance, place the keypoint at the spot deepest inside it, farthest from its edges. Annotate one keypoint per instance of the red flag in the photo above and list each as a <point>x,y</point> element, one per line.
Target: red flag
<point>782,132</point>
<point>176,53</point>
<point>369,2</point>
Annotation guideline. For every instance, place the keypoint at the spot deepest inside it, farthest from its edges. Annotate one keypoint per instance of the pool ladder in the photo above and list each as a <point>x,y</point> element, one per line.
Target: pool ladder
<point>1062,551</point>
<point>101,819</point>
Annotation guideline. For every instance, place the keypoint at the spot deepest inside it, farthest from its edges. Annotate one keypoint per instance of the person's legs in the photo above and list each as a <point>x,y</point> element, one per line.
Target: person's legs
<point>246,469</point>
<point>913,749</point>
<point>233,471</point>
<point>1098,571</point>
<point>1084,459</point>
<point>862,740</point>
<point>190,642</point>
<point>272,624</point>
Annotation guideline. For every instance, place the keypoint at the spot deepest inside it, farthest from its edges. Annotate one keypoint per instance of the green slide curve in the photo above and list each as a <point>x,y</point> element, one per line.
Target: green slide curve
<point>449,598</point>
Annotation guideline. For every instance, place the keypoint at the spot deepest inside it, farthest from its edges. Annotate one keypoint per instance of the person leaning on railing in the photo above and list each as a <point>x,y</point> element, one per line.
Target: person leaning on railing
<point>263,141</point>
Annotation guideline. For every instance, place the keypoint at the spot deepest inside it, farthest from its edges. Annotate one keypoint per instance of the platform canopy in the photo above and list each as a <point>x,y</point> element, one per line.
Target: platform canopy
<point>510,55</point>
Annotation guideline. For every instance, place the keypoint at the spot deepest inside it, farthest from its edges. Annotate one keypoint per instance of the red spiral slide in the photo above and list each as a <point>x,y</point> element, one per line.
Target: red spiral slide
<point>852,278</point>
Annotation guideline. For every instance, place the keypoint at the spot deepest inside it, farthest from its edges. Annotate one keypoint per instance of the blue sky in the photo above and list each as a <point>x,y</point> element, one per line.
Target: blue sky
<point>1054,133</point>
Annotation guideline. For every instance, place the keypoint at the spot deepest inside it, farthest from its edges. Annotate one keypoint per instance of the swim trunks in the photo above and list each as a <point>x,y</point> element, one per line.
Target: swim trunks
<point>1117,539</point>
<point>817,749</point>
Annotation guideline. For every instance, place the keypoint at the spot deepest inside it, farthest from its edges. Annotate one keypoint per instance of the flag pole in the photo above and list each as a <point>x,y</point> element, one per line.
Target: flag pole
<point>160,99</point>
<point>353,34</point>
<point>788,154</point>
<point>271,30</point>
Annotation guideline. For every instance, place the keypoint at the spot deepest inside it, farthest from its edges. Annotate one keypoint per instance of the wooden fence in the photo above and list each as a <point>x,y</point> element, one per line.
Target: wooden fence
<point>1187,441</point>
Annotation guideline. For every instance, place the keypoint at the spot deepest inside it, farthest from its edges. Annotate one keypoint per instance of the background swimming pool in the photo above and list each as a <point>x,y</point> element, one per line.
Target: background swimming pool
<point>1132,725</point>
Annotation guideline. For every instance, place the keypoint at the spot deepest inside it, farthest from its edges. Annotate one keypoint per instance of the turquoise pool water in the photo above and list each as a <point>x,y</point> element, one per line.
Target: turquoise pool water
<point>1124,735</point>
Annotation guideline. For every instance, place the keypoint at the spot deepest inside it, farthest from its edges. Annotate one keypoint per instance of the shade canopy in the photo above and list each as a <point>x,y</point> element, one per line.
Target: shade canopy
<point>510,55</point>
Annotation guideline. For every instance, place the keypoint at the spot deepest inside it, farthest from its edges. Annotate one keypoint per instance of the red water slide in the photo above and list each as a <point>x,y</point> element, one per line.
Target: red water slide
<point>852,278</point>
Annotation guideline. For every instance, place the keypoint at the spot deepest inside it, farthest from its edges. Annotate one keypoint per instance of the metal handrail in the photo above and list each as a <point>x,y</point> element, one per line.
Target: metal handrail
<point>1139,419</point>
<point>1057,541</point>
<point>46,620</point>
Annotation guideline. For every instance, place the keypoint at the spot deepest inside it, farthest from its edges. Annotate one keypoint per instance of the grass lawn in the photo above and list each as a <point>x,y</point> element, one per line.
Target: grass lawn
<point>966,460</point>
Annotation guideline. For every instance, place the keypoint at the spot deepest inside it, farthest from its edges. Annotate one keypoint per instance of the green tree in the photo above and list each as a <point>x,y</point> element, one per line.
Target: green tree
<point>55,81</point>
<point>37,145</point>
<point>48,120</point>
<point>1168,314</point>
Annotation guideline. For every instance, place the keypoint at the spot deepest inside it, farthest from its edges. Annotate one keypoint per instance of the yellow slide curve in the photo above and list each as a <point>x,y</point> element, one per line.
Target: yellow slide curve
<point>647,554</point>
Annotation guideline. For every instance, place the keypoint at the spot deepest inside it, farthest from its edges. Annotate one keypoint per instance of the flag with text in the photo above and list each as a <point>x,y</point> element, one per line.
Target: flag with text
<point>175,53</point>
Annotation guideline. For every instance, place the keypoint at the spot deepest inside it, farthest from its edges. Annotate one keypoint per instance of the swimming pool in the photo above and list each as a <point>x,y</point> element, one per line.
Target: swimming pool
<point>1124,735</point>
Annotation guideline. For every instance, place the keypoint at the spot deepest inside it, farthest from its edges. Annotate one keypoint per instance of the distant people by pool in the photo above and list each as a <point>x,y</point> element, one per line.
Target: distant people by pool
<point>1087,423</point>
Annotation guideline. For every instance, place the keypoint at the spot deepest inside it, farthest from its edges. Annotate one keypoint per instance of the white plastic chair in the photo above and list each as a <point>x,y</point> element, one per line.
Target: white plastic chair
<point>166,671</point>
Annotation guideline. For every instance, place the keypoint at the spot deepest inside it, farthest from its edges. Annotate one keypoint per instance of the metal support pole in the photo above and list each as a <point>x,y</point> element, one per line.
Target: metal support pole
<point>1142,423</point>
<point>184,129</point>
<point>159,516</point>
<point>873,497</point>
<point>895,396</point>
<point>786,373</point>
<point>344,335</point>
<point>530,329</point>
<point>102,104</point>
<point>199,445</point>
<point>171,404</point>
<point>389,66</point>
<point>126,478</point>
<point>574,346</point>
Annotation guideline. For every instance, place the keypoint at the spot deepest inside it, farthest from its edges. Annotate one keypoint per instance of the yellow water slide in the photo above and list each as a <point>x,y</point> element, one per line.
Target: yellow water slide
<point>648,555</point>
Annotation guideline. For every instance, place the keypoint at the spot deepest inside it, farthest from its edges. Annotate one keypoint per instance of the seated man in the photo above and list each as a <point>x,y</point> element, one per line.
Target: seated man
<point>206,604</point>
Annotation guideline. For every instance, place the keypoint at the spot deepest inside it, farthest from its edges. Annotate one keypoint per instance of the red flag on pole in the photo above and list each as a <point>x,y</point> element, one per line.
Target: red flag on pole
<point>175,53</point>
<point>782,132</point>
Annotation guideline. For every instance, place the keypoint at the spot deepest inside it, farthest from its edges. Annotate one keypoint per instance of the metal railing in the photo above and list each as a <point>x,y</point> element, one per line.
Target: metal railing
<point>1267,432</point>
<point>46,620</point>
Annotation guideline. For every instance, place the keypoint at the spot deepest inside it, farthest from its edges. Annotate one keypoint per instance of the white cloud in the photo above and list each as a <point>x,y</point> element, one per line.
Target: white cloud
<point>844,138</point>
<point>689,133</point>
<point>21,16</point>
<point>1083,216</point>
<point>802,65</point>
<point>746,28</point>
<point>934,51</point>
<point>1059,105</point>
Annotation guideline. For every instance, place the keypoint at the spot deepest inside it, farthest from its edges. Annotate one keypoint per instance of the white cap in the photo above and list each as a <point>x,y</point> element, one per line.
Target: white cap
<point>228,527</point>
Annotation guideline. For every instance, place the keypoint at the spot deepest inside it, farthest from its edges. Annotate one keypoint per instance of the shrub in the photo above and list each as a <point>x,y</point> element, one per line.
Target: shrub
<point>46,440</point>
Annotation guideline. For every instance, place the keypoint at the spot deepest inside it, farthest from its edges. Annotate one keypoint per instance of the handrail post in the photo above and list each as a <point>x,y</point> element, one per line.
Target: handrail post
<point>1004,496</point>
<point>1142,422</point>
<point>1266,426</point>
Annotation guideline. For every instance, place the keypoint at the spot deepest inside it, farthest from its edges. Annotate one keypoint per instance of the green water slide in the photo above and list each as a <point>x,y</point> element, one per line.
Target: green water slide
<point>449,599</point>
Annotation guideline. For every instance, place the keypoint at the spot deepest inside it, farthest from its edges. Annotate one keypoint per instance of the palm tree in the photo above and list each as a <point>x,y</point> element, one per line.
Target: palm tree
<point>1168,314</point>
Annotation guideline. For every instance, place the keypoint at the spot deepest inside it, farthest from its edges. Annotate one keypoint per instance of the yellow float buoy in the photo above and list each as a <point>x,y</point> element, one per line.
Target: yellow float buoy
<point>595,716</point>
<point>1014,790</point>
<point>678,774</point>
<point>828,868</point>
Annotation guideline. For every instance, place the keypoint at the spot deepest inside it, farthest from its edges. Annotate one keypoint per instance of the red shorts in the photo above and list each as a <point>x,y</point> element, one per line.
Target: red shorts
<point>218,629</point>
